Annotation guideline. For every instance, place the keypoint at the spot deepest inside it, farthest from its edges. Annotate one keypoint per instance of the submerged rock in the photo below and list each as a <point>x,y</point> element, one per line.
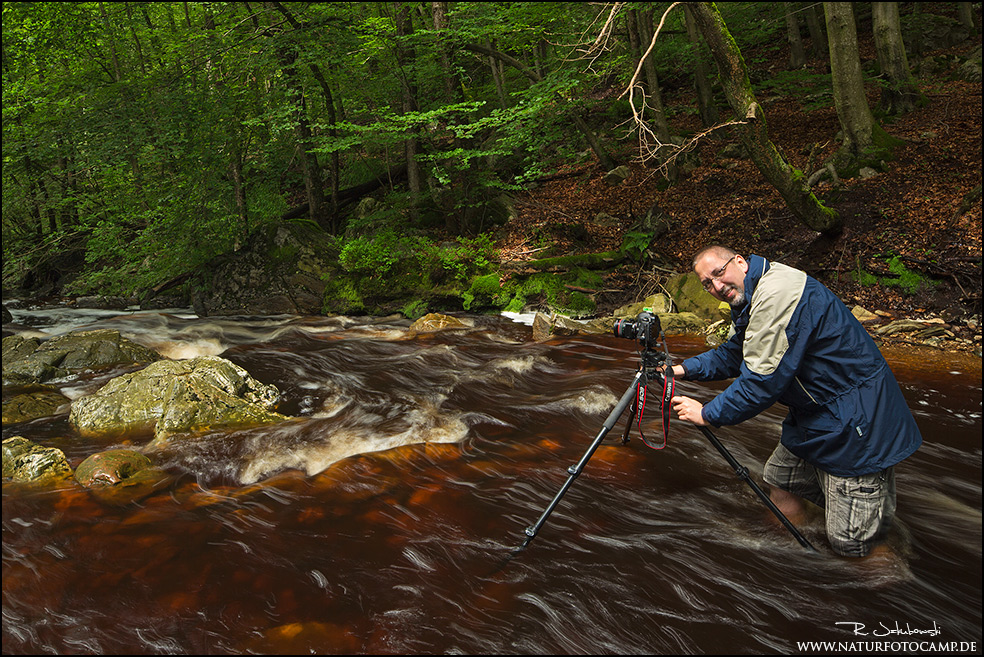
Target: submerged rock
<point>32,405</point>
<point>172,397</point>
<point>27,462</point>
<point>111,467</point>
<point>29,361</point>
<point>433,322</point>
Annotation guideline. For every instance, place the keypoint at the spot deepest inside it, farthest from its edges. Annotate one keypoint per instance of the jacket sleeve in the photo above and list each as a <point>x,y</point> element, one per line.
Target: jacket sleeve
<point>716,364</point>
<point>777,338</point>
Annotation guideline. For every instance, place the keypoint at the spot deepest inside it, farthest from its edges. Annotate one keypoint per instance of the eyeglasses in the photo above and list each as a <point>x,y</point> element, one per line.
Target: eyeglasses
<point>716,275</point>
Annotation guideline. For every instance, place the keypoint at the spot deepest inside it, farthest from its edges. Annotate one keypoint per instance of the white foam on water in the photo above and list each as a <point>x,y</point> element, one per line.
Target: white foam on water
<point>181,350</point>
<point>519,365</point>
<point>269,454</point>
<point>520,318</point>
<point>591,401</point>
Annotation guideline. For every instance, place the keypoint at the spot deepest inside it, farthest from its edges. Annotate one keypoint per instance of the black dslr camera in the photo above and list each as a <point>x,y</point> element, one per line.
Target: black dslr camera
<point>645,328</point>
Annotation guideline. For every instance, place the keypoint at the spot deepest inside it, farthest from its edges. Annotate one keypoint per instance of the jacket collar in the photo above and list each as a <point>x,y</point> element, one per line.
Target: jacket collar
<point>757,266</point>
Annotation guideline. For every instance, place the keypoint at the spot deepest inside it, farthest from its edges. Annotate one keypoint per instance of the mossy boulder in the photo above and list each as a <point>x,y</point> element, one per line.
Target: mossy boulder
<point>29,361</point>
<point>27,462</point>
<point>690,296</point>
<point>173,397</point>
<point>681,323</point>
<point>281,270</point>
<point>656,303</point>
<point>32,405</point>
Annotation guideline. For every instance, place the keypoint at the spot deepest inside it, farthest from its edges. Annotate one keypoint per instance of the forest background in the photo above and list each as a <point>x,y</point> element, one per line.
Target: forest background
<point>489,155</point>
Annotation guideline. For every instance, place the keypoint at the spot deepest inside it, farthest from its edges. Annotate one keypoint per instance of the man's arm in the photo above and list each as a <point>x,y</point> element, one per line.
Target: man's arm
<point>777,339</point>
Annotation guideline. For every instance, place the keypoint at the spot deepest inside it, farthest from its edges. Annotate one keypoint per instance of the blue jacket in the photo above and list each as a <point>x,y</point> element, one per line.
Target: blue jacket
<point>796,343</point>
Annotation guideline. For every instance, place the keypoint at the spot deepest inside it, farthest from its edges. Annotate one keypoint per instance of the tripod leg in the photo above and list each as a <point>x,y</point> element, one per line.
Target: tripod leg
<point>628,424</point>
<point>742,473</point>
<point>575,470</point>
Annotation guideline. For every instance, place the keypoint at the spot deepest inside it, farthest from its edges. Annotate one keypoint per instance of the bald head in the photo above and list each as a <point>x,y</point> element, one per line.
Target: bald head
<point>722,252</point>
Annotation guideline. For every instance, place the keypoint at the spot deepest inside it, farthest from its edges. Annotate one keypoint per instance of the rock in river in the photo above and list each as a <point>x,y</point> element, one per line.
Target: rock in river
<point>111,467</point>
<point>171,397</point>
<point>28,462</point>
<point>30,361</point>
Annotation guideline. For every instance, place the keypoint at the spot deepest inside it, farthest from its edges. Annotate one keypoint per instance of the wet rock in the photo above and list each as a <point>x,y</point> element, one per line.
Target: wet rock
<point>679,323</point>
<point>171,397</point>
<point>656,303</point>
<point>432,322</point>
<point>900,326</point>
<point>101,302</point>
<point>690,296</point>
<point>7,317</point>
<point>541,327</point>
<point>67,354</point>
<point>32,405</point>
<point>27,462</point>
<point>563,325</point>
<point>17,347</point>
<point>863,315</point>
<point>305,638</point>
<point>110,467</point>
<point>134,488</point>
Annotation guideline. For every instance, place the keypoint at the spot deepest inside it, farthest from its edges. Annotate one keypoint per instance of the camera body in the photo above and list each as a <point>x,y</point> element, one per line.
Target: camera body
<point>645,328</point>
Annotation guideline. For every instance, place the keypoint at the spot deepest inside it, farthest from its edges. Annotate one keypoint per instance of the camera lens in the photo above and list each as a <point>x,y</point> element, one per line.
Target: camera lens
<point>625,328</point>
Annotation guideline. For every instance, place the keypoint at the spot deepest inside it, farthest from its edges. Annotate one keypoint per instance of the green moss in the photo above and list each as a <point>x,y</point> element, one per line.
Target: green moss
<point>487,285</point>
<point>341,297</point>
<point>415,309</point>
<point>593,260</point>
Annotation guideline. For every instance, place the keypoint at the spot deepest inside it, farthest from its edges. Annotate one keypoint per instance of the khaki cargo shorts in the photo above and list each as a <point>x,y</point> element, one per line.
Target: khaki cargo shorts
<point>858,510</point>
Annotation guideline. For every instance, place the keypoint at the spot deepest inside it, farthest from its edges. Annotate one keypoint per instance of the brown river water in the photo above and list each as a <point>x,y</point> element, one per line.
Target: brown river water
<point>318,535</point>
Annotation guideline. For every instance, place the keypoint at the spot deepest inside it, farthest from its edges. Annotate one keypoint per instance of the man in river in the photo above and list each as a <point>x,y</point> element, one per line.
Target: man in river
<point>796,343</point>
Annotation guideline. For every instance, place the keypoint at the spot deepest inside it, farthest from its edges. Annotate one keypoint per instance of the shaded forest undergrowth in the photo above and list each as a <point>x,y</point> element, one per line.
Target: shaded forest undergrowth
<point>911,246</point>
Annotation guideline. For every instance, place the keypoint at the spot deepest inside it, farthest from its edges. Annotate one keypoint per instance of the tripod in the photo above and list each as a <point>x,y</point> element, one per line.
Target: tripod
<point>650,370</point>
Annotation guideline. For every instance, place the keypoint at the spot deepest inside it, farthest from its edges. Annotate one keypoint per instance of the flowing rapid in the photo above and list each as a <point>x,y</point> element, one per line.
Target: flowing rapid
<point>377,519</point>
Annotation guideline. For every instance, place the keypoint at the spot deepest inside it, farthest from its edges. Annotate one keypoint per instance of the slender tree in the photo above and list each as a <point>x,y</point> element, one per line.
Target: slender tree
<point>702,77</point>
<point>818,38</point>
<point>899,91</point>
<point>797,55</point>
<point>864,142</point>
<point>790,184</point>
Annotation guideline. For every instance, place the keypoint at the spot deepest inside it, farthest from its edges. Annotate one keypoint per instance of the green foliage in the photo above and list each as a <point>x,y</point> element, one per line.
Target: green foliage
<point>908,281</point>
<point>635,243</point>
<point>553,290</point>
<point>863,277</point>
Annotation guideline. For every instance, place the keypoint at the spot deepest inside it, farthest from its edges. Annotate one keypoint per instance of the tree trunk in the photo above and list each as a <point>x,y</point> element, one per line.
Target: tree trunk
<point>797,56</point>
<point>818,38</point>
<point>408,102</point>
<point>965,12</point>
<point>645,27</point>
<point>702,78</point>
<point>239,186</point>
<point>790,184</point>
<point>639,38</point>
<point>500,88</point>
<point>313,185</point>
<point>900,93</point>
<point>439,14</point>
<point>604,158</point>
<point>332,121</point>
<point>845,68</point>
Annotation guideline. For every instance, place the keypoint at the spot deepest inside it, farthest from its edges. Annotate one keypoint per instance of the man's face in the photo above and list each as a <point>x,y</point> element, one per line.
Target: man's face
<point>723,276</point>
